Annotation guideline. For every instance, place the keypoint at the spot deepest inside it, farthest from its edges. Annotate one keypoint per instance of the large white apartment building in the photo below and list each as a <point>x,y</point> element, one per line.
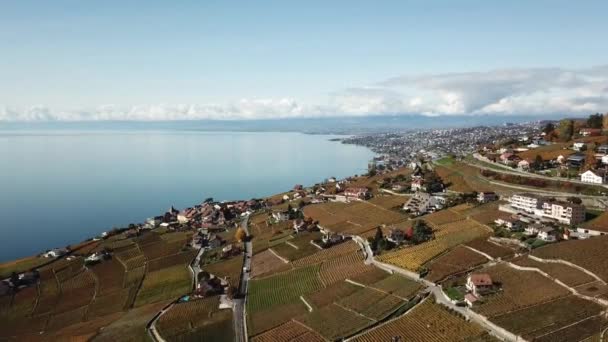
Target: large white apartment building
<point>563,212</point>
<point>526,202</point>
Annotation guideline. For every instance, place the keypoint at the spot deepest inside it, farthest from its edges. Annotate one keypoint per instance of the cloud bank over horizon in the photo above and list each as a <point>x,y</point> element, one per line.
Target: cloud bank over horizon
<point>521,91</point>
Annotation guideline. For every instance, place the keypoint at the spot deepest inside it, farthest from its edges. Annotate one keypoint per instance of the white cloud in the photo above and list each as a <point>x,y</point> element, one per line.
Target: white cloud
<point>510,91</point>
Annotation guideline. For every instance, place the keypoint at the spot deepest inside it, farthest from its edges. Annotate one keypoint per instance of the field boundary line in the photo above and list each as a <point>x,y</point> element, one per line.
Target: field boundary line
<point>377,206</point>
<point>292,245</point>
<point>487,256</point>
<point>354,283</point>
<point>387,321</point>
<point>86,313</point>
<point>559,282</point>
<point>560,261</point>
<point>299,323</point>
<point>306,303</point>
<point>570,325</point>
<point>355,312</point>
<point>314,244</point>
<point>278,256</point>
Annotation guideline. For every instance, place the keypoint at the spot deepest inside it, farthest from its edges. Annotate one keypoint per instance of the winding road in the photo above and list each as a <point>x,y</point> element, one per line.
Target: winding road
<point>240,299</point>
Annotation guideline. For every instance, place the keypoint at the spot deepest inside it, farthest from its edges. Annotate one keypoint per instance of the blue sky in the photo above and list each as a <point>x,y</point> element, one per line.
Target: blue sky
<point>198,59</point>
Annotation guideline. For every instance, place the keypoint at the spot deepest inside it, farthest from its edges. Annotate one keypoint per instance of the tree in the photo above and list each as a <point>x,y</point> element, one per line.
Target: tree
<point>595,120</point>
<point>14,278</point>
<point>538,162</point>
<point>421,232</point>
<point>565,129</point>
<point>375,243</point>
<point>240,235</point>
<point>549,127</point>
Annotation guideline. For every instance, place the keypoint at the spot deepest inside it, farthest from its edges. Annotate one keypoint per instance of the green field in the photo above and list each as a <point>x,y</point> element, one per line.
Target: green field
<point>168,283</point>
<point>282,288</point>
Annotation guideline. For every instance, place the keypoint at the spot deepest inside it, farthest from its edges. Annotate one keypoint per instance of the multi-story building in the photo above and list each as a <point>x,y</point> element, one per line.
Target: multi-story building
<point>528,203</point>
<point>422,203</point>
<point>563,212</point>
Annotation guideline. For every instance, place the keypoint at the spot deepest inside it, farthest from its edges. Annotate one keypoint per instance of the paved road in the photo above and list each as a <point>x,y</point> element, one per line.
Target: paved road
<point>195,269</point>
<point>152,332</point>
<point>240,300</point>
<point>509,170</point>
<point>437,291</point>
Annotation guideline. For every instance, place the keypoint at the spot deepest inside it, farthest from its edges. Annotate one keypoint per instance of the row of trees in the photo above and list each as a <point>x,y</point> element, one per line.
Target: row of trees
<point>567,128</point>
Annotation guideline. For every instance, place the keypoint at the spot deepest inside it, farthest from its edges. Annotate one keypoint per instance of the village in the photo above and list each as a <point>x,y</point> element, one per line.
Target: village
<point>433,235</point>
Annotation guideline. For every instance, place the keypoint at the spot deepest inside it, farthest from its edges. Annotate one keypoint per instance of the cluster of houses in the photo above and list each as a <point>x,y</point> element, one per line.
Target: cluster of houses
<point>536,215</point>
<point>206,215</point>
<point>509,157</point>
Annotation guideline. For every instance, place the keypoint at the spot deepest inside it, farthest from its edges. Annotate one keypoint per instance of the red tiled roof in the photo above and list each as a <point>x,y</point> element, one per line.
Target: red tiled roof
<point>481,279</point>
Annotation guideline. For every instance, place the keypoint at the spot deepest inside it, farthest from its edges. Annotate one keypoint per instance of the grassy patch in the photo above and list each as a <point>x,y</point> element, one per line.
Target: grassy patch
<point>445,161</point>
<point>168,283</point>
<point>454,293</point>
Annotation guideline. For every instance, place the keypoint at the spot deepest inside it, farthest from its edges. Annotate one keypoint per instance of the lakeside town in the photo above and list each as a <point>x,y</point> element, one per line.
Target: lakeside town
<point>476,234</point>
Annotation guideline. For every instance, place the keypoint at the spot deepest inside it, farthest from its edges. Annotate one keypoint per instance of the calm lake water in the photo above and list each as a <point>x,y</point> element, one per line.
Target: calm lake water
<point>60,187</point>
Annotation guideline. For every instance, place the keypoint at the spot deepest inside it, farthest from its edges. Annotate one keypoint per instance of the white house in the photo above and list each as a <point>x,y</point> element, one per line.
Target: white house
<point>547,234</point>
<point>510,222</point>
<point>417,184</point>
<point>592,177</point>
<point>578,146</point>
<point>533,229</point>
<point>359,193</point>
<point>54,253</point>
<point>281,216</point>
<point>523,164</point>
<point>479,283</point>
<point>95,257</point>
<point>605,159</point>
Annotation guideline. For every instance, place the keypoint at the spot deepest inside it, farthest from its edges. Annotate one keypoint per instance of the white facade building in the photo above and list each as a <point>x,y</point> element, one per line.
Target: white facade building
<point>563,212</point>
<point>591,177</point>
<point>526,202</point>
